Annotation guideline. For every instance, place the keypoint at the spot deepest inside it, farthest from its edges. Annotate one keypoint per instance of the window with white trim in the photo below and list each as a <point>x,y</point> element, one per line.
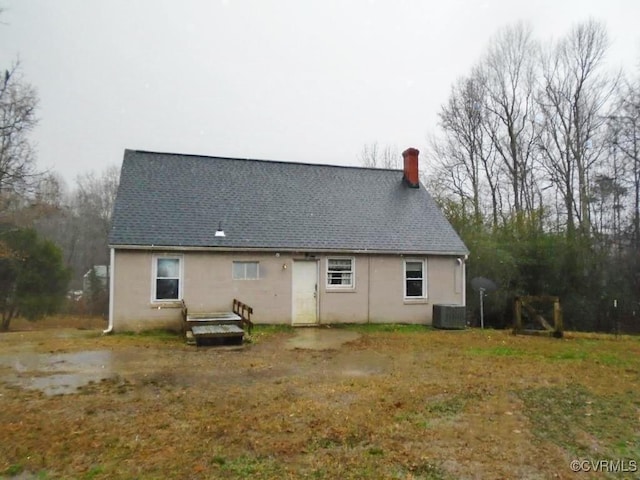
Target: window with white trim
<point>415,284</point>
<point>246,271</point>
<point>340,272</point>
<point>167,283</point>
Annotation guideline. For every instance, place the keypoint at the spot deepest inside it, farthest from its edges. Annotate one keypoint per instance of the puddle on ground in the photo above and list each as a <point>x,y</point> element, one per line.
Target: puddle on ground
<point>65,373</point>
<point>59,373</point>
<point>320,339</point>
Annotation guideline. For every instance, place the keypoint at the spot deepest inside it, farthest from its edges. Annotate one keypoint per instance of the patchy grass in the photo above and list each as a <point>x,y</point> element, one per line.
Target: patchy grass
<point>611,359</point>
<point>13,470</point>
<point>161,335</point>
<point>58,322</point>
<point>383,327</point>
<point>571,354</point>
<point>399,402</point>
<point>261,333</point>
<point>272,329</point>
<point>585,424</point>
<point>251,466</point>
<point>498,351</point>
<point>450,406</point>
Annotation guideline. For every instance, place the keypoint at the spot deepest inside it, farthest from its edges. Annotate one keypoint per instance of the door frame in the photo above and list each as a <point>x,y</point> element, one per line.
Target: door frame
<point>316,262</point>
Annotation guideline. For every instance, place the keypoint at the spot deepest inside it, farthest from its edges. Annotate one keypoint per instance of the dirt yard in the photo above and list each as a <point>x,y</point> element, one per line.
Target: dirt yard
<point>357,402</point>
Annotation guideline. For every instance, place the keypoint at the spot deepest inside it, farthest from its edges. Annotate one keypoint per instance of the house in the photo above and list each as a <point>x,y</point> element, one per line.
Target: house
<point>303,244</point>
<point>100,274</point>
<point>95,293</point>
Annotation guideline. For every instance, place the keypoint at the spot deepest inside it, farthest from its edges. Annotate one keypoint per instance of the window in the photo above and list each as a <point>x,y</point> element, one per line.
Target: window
<point>245,271</point>
<point>167,284</point>
<point>340,272</point>
<point>414,279</point>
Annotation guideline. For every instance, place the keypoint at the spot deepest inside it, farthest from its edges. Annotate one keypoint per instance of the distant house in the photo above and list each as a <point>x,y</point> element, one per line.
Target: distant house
<point>303,244</point>
<point>101,278</point>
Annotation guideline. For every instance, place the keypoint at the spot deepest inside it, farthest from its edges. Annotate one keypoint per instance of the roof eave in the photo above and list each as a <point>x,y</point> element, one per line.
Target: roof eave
<point>184,248</point>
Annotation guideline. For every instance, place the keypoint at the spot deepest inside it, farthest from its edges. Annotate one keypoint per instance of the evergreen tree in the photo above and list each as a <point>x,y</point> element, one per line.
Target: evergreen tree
<point>33,278</point>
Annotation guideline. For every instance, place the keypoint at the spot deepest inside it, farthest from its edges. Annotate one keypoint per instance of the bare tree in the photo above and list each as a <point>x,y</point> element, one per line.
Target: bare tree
<point>624,137</point>
<point>50,190</point>
<point>92,205</point>
<point>79,222</point>
<point>466,154</point>
<point>508,73</point>
<point>55,219</point>
<point>489,127</point>
<point>375,156</point>
<point>96,194</point>
<point>572,99</point>
<point>18,104</point>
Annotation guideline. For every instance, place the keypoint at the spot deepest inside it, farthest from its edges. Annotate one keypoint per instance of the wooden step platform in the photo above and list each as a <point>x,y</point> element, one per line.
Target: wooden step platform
<point>217,328</point>
<point>217,318</point>
<point>211,331</point>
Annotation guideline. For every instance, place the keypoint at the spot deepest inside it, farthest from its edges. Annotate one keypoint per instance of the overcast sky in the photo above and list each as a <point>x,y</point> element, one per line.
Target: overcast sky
<point>299,80</point>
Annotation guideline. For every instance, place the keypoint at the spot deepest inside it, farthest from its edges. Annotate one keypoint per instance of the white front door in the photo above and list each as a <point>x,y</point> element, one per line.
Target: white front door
<point>305,293</point>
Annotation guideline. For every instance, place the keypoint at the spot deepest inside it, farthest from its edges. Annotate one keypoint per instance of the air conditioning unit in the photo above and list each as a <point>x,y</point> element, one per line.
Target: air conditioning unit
<point>452,317</point>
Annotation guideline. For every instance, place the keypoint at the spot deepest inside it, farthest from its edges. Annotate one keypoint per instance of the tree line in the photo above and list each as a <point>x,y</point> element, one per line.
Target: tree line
<point>536,164</point>
<point>50,236</point>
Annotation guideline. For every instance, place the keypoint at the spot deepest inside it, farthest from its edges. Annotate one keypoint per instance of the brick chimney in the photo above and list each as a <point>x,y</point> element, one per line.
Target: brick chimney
<point>410,156</point>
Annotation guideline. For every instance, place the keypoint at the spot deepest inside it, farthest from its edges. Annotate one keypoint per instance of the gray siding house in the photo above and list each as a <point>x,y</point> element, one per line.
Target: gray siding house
<point>302,244</point>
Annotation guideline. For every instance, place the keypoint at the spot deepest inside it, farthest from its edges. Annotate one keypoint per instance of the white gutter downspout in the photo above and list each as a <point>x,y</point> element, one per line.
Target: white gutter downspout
<point>464,280</point>
<point>368,288</point>
<point>112,262</point>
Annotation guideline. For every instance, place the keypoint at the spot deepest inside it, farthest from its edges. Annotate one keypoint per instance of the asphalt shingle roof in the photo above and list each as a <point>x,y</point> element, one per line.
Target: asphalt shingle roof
<point>180,200</point>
